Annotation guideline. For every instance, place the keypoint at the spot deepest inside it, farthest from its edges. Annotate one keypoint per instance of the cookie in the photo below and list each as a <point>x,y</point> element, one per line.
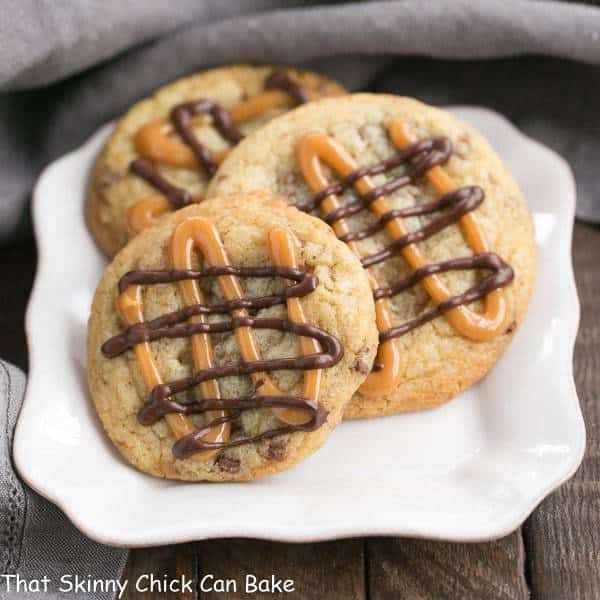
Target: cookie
<point>225,341</point>
<point>163,152</point>
<point>438,222</point>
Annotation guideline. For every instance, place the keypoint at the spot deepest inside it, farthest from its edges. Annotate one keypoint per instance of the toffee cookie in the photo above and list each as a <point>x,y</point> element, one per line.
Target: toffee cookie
<point>225,341</point>
<point>437,221</point>
<point>165,149</point>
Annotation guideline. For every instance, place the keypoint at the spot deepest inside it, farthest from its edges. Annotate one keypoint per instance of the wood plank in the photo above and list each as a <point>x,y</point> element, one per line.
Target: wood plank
<point>318,571</point>
<point>170,563</point>
<point>563,535</point>
<point>17,265</point>
<point>415,569</point>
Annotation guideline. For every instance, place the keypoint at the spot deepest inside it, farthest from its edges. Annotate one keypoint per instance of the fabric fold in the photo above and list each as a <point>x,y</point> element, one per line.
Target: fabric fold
<point>351,41</point>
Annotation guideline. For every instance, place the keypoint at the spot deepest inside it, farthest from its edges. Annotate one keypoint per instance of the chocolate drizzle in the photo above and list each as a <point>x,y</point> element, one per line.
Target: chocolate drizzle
<point>434,151</point>
<point>192,443</point>
<point>279,80</point>
<point>502,274</point>
<point>419,157</point>
<point>181,117</point>
<point>177,196</point>
<point>459,203</point>
<point>176,325</point>
<point>305,282</point>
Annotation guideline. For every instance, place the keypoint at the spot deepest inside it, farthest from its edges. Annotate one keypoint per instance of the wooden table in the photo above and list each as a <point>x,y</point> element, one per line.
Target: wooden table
<point>556,554</point>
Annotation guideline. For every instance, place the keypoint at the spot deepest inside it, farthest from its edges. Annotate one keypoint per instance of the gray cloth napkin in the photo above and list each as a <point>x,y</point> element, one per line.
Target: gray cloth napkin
<point>69,66</point>
<point>36,539</point>
<point>44,42</point>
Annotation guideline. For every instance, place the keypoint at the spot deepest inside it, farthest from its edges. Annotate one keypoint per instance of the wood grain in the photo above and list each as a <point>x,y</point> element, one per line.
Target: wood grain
<point>562,537</point>
<point>319,571</point>
<point>170,562</point>
<point>422,569</point>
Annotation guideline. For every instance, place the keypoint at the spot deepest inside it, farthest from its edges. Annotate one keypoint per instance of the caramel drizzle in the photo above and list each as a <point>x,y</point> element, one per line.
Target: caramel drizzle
<point>154,144</point>
<point>319,350</point>
<point>422,158</point>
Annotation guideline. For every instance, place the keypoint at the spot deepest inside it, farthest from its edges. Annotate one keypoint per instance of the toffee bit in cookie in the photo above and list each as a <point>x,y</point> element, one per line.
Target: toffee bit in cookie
<point>276,449</point>
<point>108,178</point>
<point>228,464</point>
<point>360,365</point>
<point>168,468</point>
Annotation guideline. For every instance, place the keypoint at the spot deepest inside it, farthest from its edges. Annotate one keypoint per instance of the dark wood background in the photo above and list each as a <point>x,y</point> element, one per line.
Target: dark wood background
<point>556,554</point>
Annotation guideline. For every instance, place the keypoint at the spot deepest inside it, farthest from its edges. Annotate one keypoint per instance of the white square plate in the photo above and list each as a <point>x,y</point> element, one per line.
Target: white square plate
<point>470,470</point>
